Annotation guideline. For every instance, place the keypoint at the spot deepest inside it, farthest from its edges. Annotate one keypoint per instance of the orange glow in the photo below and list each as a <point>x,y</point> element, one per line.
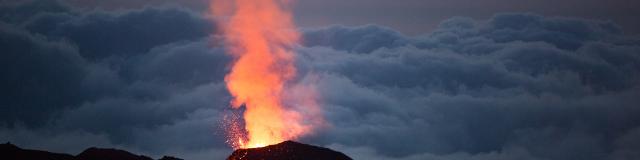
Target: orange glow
<point>260,34</point>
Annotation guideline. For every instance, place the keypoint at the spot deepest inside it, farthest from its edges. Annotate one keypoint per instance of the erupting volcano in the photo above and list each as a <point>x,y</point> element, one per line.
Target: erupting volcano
<point>260,35</point>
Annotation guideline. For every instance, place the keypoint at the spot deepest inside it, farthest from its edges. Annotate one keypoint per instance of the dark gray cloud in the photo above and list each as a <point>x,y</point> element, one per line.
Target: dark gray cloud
<point>359,40</point>
<point>114,79</point>
<point>100,34</point>
<point>18,12</point>
<point>150,80</point>
<point>32,70</point>
<point>550,87</point>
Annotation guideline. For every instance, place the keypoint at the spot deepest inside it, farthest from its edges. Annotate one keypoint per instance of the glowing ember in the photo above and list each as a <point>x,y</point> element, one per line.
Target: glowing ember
<point>260,35</point>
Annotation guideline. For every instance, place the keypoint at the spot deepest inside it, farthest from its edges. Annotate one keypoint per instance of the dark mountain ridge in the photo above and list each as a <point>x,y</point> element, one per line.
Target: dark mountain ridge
<point>287,150</point>
<point>9,151</point>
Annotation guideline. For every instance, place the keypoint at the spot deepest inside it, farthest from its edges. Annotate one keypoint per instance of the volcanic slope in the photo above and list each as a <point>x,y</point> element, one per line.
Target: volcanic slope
<point>288,150</point>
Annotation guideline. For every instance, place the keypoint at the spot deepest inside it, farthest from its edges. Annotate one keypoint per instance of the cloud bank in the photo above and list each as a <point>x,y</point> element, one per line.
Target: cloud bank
<point>516,86</point>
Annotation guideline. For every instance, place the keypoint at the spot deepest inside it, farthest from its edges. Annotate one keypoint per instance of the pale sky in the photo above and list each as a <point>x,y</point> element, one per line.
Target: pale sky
<point>420,16</point>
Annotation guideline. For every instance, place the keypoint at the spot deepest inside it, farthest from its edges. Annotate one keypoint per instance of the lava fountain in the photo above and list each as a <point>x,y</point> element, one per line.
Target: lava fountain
<point>260,35</point>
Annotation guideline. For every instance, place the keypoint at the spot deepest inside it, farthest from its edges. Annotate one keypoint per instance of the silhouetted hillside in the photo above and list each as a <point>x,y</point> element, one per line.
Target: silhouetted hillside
<point>9,151</point>
<point>170,158</point>
<point>287,150</point>
<point>108,154</point>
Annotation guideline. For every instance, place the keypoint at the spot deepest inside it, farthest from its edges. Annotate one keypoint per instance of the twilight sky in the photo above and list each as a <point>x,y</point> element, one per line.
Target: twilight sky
<point>398,80</point>
<point>418,16</point>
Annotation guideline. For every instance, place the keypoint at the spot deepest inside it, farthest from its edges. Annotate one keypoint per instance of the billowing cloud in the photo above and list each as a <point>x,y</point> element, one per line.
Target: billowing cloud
<point>516,86</point>
<point>32,70</point>
<point>557,88</point>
